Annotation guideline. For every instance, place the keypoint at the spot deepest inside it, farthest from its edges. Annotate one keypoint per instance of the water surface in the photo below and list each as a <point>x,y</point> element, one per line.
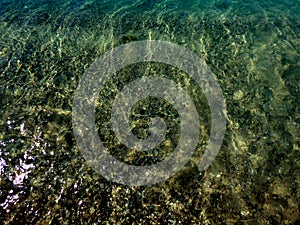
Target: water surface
<point>253,48</point>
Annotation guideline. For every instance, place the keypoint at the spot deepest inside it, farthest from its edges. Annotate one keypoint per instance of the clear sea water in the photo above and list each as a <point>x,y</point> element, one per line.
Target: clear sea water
<point>253,49</point>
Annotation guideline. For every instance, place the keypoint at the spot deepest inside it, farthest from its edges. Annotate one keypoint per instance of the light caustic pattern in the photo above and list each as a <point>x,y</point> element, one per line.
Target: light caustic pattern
<point>101,71</point>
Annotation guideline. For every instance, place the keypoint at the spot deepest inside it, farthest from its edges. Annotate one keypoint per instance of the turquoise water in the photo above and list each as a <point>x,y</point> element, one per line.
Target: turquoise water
<point>252,47</point>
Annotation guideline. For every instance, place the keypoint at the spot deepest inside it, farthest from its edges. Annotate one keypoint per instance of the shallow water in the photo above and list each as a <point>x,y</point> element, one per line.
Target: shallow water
<point>252,47</point>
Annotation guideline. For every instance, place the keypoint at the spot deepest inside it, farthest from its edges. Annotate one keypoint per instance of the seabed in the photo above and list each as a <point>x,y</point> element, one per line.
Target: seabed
<point>252,47</point>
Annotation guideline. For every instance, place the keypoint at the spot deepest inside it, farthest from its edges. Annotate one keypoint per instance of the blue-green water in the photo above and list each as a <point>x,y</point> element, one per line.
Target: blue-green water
<point>252,47</point>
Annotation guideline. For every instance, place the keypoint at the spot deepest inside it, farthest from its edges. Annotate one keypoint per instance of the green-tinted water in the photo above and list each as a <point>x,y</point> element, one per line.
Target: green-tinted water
<point>252,47</point>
